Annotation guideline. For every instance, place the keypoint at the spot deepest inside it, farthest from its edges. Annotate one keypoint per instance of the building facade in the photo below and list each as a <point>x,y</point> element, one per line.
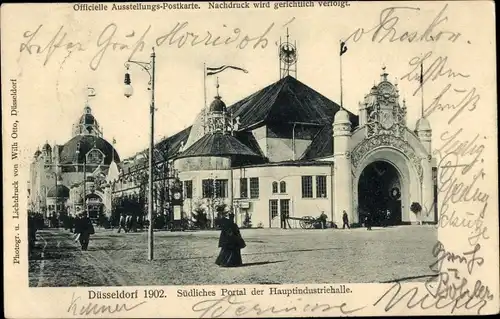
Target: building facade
<point>69,178</point>
<point>288,151</point>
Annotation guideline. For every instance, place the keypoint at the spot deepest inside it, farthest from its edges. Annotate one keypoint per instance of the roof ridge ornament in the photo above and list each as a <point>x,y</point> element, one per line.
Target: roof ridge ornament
<point>383,76</point>
<point>287,55</point>
<point>217,88</point>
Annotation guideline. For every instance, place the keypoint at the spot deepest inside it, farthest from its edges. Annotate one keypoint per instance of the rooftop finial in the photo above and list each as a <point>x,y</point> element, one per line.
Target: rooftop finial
<point>217,87</point>
<point>384,74</point>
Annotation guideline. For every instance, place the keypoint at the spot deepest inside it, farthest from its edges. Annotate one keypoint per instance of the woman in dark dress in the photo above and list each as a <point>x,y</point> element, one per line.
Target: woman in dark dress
<point>231,243</point>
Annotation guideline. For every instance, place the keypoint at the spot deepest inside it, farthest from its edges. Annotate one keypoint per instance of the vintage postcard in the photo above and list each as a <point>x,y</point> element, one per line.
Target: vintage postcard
<point>249,159</point>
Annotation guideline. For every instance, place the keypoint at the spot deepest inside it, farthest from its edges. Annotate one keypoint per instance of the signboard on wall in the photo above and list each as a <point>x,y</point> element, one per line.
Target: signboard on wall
<point>245,205</point>
<point>177,213</point>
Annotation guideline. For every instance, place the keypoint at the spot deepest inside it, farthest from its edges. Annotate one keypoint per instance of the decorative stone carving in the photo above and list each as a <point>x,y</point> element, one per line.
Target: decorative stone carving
<point>386,116</point>
<point>341,129</point>
<point>386,140</point>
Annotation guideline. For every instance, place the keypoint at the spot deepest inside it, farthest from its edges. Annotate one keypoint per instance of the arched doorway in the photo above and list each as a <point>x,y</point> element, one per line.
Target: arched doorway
<point>379,190</point>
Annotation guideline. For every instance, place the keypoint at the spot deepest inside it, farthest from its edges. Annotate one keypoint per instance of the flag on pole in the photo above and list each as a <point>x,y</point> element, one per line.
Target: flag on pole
<point>343,48</point>
<point>90,92</point>
<point>421,73</point>
<point>212,71</point>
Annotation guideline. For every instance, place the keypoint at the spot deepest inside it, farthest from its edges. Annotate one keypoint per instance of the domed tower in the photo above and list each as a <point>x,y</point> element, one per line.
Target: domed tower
<point>47,153</point>
<point>87,124</point>
<point>218,119</point>
<point>37,153</point>
<point>424,133</point>
<point>342,166</point>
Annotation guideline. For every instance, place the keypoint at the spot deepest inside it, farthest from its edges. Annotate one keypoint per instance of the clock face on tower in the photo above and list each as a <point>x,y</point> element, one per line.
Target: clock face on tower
<point>177,195</point>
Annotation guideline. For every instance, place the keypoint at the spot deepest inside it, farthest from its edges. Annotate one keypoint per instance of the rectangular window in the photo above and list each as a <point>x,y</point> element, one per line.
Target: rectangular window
<point>219,185</point>
<point>207,188</point>
<point>307,188</point>
<point>273,207</point>
<point>321,186</point>
<point>254,187</point>
<point>221,188</point>
<point>243,187</point>
<point>188,189</point>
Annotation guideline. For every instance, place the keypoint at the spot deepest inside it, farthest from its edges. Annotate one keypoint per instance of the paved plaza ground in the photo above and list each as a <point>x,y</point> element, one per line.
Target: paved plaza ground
<point>272,256</point>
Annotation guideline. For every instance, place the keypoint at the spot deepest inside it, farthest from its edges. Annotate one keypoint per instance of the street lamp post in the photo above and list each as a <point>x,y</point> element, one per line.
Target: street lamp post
<point>149,67</point>
<point>84,203</point>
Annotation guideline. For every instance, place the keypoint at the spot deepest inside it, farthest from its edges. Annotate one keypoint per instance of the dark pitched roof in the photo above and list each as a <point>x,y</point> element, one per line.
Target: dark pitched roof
<point>248,139</point>
<point>171,145</point>
<point>287,100</point>
<point>218,144</point>
<point>167,147</point>
<point>321,145</point>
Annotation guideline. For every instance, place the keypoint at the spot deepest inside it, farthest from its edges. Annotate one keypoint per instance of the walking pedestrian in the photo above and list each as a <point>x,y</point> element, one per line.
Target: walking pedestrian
<point>122,223</point>
<point>133,223</point>
<point>84,228</point>
<point>128,223</point>
<point>322,219</point>
<point>368,221</point>
<point>345,220</point>
<point>387,218</point>
<point>71,222</point>
<point>283,220</point>
<point>231,243</point>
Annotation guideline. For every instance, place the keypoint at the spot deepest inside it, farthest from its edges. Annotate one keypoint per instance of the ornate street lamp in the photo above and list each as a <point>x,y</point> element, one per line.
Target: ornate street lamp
<point>149,67</point>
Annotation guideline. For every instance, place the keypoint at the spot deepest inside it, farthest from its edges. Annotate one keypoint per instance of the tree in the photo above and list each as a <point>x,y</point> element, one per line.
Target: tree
<point>416,208</point>
<point>200,218</point>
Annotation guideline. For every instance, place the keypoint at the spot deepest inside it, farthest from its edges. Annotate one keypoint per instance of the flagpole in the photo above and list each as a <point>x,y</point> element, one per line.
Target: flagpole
<point>341,93</point>
<point>205,98</point>
<point>113,152</point>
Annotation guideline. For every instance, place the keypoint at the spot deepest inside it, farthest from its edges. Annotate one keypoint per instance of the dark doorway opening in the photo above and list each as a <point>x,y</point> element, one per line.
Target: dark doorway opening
<point>379,194</point>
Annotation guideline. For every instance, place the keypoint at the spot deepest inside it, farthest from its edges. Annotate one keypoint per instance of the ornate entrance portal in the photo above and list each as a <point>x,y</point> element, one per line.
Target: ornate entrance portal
<point>379,191</point>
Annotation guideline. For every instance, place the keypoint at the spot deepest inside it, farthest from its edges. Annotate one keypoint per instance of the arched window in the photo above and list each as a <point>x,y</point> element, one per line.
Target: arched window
<point>282,187</point>
<point>275,187</point>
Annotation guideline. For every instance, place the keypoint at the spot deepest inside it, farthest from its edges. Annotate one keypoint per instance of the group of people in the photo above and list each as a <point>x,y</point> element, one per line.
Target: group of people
<point>129,223</point>
<point>385,219</point>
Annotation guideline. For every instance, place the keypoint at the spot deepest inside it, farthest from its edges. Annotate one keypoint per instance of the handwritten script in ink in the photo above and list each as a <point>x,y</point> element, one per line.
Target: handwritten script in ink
<point>231,306</point>
<point>390,28</point>
<point>462,200</point>
<point>451,291</point>
<point>79,308</point>
<point>47,43</point>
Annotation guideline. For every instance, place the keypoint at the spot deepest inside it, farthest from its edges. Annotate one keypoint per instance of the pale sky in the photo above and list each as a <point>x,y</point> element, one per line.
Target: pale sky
<point>52,97</point>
